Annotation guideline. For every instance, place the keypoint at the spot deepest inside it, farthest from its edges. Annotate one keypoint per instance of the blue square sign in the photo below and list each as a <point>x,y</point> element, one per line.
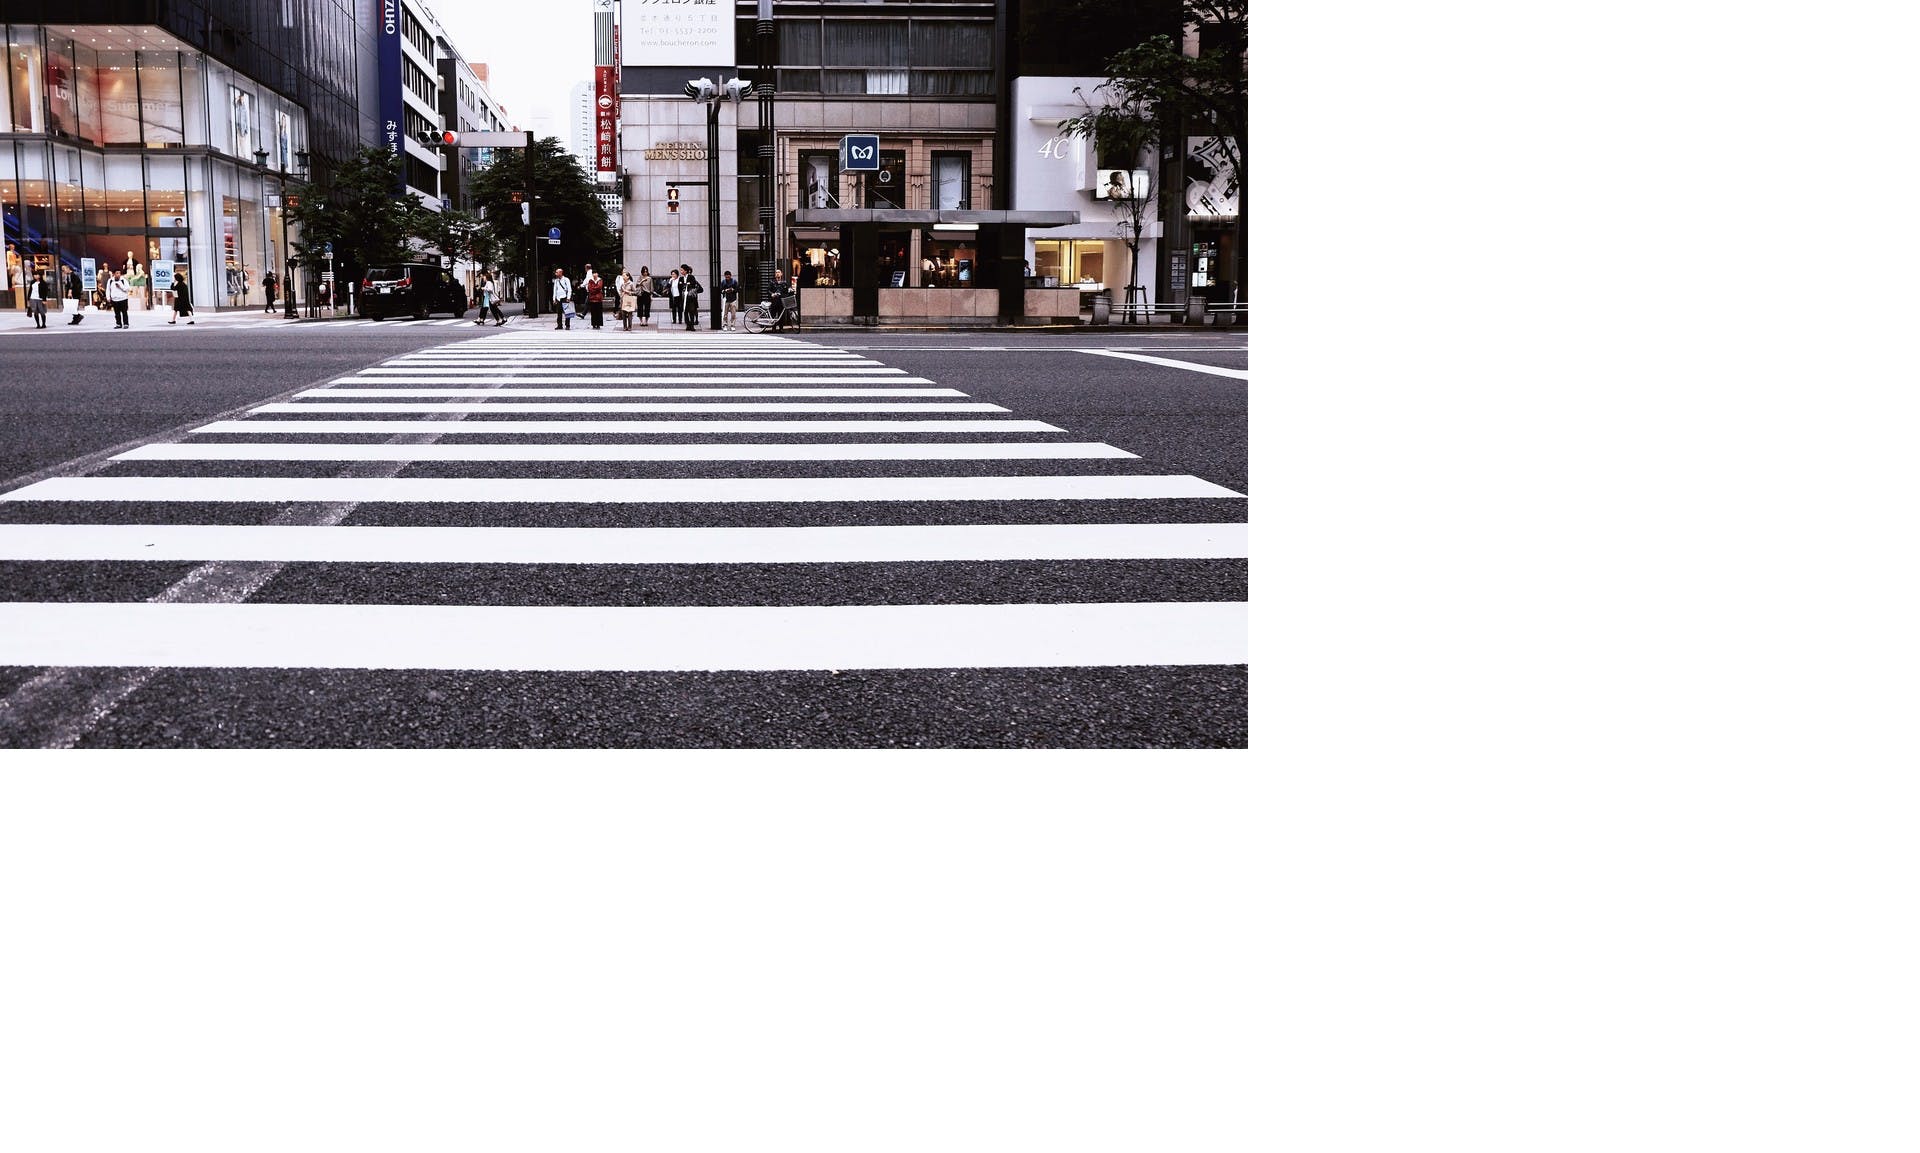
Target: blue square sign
<point>859,154</point>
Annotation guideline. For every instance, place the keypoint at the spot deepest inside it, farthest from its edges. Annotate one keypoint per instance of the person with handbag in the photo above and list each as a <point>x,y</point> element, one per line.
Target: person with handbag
<point>629,303</point>
<point>562,300</point>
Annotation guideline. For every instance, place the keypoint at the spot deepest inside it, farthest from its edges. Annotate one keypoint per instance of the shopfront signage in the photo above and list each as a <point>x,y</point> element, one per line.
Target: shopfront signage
<point>392,111</point>
<point>89,274</point>
<point>162,276</point>
<point>677,150</point>
<point>672,33</point>
<point>1210,188</point>
<point>859,154</point>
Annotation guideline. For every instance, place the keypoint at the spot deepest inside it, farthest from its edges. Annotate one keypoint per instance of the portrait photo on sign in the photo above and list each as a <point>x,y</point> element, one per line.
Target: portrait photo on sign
<point>1122,184</point>
<point>242,122</point>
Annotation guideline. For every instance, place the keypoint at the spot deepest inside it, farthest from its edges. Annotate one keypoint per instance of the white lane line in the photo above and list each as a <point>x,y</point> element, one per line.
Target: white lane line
<point>1211,370</point>
<point>631,406</point>
<point>681,427</point>
<point>690,426</point>
<point>704,545</point>
<point>993,450</point>
<point>783,392</point>
<point>462,320</point>
<point>737,378</point>
<point>546,490</point>
<point>588,638</point>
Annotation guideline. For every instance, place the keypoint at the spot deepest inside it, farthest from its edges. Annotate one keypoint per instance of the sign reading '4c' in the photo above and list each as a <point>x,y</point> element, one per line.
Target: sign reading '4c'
<point>859,154</point>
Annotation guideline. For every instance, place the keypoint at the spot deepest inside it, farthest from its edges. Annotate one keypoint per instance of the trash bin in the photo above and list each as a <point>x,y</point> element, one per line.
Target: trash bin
<point>1102,308</point>
<point>1196,310</point>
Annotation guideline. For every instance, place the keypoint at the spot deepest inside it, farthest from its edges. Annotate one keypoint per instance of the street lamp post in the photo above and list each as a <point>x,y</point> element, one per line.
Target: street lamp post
<point>286,252</point>
<point>703,91</point>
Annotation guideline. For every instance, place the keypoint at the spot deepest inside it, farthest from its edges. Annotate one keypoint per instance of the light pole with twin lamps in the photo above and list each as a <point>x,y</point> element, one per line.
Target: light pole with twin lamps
<point>703,91</point>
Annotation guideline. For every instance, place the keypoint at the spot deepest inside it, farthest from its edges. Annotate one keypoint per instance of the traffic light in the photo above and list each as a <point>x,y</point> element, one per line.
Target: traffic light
<point>673,200</point>
<point>440,139</point>
<point>450,139</point>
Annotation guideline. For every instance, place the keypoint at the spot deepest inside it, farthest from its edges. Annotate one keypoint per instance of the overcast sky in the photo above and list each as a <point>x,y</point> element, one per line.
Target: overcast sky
<point>535,52</point>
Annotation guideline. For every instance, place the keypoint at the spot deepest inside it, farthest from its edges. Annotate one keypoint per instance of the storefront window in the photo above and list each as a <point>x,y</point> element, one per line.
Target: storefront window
<point>893,259</point>
<point>887,188</point>
<point>166,240</point>
<point>1070,263</point>
<point>86,86</point>
<point>193,100</point>
<point>950,179</point>
<point>26,80</point>
<point>819,179</point>
<point>947,259</point>
<point>119,95</point>
<point>160,105</point>
<point>62,118</point>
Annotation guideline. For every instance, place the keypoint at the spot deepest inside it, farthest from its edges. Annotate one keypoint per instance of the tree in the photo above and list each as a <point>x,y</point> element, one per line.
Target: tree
<point>1124,133</point>
<point>363,212</point>
<point>563,196</point>
<point>1209,88</point>
<point>1160,82</point>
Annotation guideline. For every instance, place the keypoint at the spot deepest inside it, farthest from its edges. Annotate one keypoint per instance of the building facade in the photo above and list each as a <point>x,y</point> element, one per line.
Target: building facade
<point>160,145</point>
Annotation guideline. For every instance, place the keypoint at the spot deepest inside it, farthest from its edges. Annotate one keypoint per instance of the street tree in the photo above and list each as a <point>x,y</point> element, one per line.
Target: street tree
<point>1125,134</point>
<point>563,196</point>
<point>364,213</point>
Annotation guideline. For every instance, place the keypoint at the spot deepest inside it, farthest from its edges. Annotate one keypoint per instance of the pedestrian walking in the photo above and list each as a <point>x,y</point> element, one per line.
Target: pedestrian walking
<point>562,300</point>
<point>690,290</point>
<point>629,303</point>
<point>482,297</point>
<point>676,299</point>
<point>494,284</point>
<point>37,294</point>
<point>78,295</point>
<point>730,298</point>
<point>596,297</point>
<point>182,298</point>
<point>117,296</point>
<point>271,283</point>
<point>646,296</point>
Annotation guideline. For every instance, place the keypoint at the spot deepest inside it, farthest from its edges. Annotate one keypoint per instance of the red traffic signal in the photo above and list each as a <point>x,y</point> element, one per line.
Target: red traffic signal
<point>449,138</point>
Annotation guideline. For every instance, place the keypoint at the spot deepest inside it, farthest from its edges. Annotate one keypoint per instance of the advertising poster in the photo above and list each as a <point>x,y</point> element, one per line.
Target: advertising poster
<point>392,114</point>
<point>283,140</point>
<point>89,274</point>
<point>242,123</point>
<point>606,115</point>
<point>163,276</point>
<point>1210,190</point>
<point>1121,184</point>
<point>693,33</point>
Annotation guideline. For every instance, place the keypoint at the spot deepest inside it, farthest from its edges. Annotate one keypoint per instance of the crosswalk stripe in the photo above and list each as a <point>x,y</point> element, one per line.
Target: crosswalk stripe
<point>740,378</point>
<point>369,392</point>
<point>997,450</point>
<point>593,638</point>
<point>546,490</point>
<point>631,406</point>
<point>681,427</point>
<point>704,545</point>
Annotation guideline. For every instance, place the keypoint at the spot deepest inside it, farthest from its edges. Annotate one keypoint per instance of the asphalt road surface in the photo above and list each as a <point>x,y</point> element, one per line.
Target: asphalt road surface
<point>263,534</point>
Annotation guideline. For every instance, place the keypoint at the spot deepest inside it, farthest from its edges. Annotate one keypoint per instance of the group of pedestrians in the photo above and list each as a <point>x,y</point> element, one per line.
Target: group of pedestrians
<point>113,291</point>
<point>632,297</point>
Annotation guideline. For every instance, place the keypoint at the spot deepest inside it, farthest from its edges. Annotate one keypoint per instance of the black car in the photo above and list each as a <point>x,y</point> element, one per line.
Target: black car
<point>415,290</point>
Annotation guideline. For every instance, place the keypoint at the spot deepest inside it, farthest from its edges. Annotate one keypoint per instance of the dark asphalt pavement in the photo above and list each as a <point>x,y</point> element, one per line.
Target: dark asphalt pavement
<point>70,399</point>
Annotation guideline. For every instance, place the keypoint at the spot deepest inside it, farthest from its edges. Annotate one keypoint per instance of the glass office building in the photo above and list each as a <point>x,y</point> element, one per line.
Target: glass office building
<point>153,148</point>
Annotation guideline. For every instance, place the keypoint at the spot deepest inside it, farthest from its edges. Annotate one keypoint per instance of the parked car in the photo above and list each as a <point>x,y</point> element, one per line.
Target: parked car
<point>415,290</point>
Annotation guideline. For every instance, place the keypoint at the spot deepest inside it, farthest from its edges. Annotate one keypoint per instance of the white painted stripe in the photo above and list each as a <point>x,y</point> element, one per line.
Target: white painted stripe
<point>996,450</point>
<point>587,638</point>
<point>349,544</point>
<point>783,392</point>
<point>690,426</point>
<point>544,490</point>
<point>631,406</point>
<point>740,378</point>
<point>1212,370</point>
<point>462,320</point>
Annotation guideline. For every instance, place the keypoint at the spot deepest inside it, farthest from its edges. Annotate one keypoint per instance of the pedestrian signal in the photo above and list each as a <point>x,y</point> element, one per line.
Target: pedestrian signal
<point>673,200</point>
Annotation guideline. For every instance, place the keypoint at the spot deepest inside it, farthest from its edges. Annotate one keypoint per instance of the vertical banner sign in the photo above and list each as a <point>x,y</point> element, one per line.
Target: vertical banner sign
<point>606,93</point>
<point>392,111</point>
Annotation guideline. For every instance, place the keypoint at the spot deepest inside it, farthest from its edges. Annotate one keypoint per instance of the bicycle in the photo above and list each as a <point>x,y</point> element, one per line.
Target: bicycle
<point>760,318</point>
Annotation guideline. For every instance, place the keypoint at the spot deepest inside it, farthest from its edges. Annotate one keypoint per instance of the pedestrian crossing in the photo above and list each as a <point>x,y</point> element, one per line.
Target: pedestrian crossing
<point>738,503</point>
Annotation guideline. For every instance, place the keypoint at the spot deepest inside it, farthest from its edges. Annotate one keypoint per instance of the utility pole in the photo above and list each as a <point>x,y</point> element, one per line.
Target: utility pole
<point>763,49</point>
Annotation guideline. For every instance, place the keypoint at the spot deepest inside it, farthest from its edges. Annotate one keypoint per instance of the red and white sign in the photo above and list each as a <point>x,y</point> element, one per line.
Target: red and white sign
<point>606,111</point>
